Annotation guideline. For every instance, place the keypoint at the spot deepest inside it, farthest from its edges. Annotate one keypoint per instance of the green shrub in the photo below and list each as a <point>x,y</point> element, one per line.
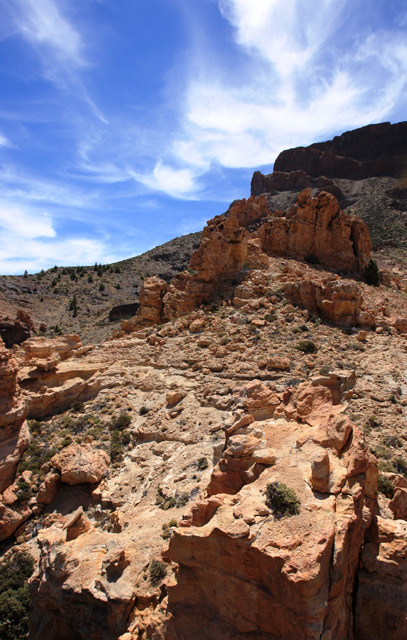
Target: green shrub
<point>15,601</point>
<point>307,346</point>
<point>386,486</point>
<point>24,490</point>
<point>157,571</point>
<point>371,273</point>
<point>282,499</point>
<point>120,422</point>
<point>202,464</point>
<point>143,410</point>
<point>34,457</point>
<point>324,371</point>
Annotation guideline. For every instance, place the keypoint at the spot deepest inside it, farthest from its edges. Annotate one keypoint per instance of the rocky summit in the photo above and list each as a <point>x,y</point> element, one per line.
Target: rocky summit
<point>231,463</point>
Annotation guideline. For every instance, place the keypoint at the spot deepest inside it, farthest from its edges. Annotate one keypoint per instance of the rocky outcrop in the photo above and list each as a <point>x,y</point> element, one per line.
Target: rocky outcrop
<point>271,564</point>
<point>98,583</point>
<point>337,301</point>
<point>316,227</point>
<point>244,237</point>
<point>121,311</point>
<point>43,348</point>
<point>14,436</point>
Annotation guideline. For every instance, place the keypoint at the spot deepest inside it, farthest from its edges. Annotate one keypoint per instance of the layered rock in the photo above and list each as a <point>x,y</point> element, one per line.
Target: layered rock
<point>14,436</point>
<point>256,573</point>
<point>335,300</point>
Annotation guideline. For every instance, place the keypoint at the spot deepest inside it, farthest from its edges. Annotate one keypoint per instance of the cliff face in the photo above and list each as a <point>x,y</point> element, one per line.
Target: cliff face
<point>375,150</point>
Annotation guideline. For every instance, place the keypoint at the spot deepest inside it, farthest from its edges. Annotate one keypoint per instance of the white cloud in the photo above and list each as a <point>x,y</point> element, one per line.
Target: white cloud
<point>41,22</point>
<point>29,241</point>
<point>179,183</point>
<point>300,82</point>
<point>22,224</point>
<point>3,141</point>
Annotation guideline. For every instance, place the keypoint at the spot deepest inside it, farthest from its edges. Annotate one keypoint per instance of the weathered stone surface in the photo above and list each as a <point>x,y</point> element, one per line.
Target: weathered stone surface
<point>265,560</point>
<point>381,596</point>
<point>96,572</point>
<point>317,227</point>
<point>14,436</point>
<point>43,348</point>
<point>81,463</point>
<point>336,300</point>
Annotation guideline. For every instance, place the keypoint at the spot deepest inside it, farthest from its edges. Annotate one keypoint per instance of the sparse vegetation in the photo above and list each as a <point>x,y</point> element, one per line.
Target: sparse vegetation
<point>307,346</point>
<point>282,500</point>
<point>15,600</point>
<point>386,486</point>
<point>202,463</point>
<point>157,571</point>
<point>371,273</point>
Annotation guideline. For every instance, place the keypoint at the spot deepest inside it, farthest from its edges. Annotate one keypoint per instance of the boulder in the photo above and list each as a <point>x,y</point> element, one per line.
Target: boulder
<point>81,463</point>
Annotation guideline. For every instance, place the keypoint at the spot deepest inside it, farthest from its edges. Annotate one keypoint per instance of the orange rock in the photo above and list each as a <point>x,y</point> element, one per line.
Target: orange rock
<point>14,435</point>
<point>81,463</point>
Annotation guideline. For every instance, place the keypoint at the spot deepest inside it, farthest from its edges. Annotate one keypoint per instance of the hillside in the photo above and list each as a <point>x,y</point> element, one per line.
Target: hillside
<point>47,296</point>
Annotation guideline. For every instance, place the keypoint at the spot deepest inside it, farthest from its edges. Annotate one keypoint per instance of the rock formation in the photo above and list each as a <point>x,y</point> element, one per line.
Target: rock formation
<point>267,560</point>
<point>241,239</point>
<point>14,436</point>
<point>375,150</point>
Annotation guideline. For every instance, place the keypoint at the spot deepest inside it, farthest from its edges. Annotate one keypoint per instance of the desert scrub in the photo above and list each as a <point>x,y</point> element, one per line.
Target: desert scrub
<point>34,457</point>
<point>157,571</point>
<point>282,499</point>
<point>15,601</point>
<point>306,346</point>
<point>202,464</point>
<point>386,486</point>
<point>371,273</point>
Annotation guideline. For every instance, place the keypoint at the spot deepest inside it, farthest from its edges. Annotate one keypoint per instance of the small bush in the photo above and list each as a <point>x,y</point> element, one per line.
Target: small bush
<point>307,346</point>
<point>202,464</point>
<point>15,600</point>
<point>143,410</point>
<point>120,422</point>
<point>282,499</point>
<point>371,273</point>
<point>157,571</point>
<point>324,371</point>
<point>386,486</point>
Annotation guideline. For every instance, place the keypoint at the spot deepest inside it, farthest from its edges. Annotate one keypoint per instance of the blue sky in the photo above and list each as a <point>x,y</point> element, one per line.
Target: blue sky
<point>125,123</point>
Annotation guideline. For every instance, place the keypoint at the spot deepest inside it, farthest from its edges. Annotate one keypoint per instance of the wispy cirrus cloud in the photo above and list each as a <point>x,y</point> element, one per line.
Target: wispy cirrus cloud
<point>309,71</point>
<point>43,24</point>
